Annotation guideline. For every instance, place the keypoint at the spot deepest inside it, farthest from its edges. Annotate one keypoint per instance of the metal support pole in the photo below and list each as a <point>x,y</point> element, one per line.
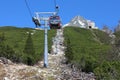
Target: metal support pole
<point>45,19</point>
<point>45,46</point>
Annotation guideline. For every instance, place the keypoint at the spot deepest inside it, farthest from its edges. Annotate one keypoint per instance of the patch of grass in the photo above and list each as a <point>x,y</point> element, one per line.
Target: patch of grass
<point>102,36</point>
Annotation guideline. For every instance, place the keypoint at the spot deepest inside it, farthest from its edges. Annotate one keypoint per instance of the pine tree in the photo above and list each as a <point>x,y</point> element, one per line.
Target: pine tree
<point>29,51</point>
<point>69,52</point>
<point>29,48</point>
<point>2,45</point>
<point>2,37</point>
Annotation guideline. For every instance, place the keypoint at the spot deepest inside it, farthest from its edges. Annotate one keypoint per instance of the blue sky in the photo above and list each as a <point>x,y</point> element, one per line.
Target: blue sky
<point>102,12</point>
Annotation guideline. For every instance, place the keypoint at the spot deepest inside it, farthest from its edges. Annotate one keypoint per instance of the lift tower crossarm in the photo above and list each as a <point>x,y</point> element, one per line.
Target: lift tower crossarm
<point>52,13</point>
<point>38,15</point>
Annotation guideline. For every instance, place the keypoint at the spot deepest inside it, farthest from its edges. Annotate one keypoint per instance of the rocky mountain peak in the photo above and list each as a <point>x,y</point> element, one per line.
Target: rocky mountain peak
<point>79,21</point>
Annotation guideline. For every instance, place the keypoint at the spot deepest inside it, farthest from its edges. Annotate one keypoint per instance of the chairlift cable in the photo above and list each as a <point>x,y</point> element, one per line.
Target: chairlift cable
<point>36,21</point>
<point>55,4</point>
<point>28,8</point>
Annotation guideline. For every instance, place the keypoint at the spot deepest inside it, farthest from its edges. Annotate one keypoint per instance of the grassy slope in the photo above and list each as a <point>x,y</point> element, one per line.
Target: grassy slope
<point>16,38</point>
<point>82,42</point>
<point>117,34</point>
<point>84,51</point>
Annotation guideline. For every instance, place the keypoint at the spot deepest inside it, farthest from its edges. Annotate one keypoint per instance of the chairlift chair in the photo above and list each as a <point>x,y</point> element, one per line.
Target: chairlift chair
<point>54,22</point>
<point>36,21</point>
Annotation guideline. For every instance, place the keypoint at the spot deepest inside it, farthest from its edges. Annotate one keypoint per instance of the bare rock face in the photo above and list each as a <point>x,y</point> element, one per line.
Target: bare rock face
<point>5,61</point>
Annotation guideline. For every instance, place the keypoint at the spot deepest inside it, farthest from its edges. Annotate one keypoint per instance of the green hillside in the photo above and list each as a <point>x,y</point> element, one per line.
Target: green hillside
<point>16,39</point>
<point>91,51</point>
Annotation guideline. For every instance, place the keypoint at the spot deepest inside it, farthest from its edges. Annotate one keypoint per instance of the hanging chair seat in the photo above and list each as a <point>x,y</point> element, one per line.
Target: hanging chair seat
<point>54,22</point>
